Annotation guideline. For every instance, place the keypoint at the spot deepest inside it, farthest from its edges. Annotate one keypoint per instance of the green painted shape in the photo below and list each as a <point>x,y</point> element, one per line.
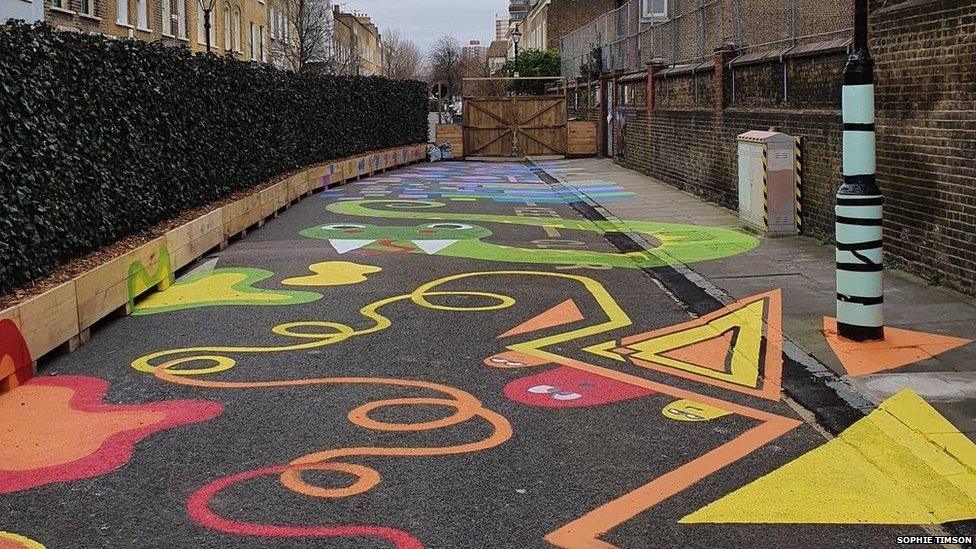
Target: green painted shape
<point>431,231</point>
<point>680,244</point>
<point>221,288</point>
<point>139,280</point>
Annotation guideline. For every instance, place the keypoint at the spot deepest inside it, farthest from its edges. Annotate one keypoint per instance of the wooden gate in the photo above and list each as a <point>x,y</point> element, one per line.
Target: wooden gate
<point>515,126</point>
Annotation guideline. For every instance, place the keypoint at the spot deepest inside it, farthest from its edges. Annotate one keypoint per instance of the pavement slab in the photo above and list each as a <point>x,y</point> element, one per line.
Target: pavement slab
<point>286,392</point>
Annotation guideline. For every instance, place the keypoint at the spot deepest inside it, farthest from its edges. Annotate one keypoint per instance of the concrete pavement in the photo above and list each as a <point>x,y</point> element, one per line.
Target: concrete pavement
<point>472,355</point>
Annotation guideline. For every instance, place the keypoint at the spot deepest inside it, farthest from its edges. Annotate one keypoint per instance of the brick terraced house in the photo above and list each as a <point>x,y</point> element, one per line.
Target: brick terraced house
<point>671,84</point>
<point>547,21</point>
<point>239,27</point>
<point>358,44</point>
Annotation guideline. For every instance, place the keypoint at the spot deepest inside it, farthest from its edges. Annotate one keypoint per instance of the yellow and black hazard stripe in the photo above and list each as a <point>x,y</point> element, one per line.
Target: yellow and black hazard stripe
<point>765,183</point>
<point>798,174</point>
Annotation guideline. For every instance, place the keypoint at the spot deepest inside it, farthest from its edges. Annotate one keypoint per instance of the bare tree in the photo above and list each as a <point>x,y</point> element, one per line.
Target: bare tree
<point>474,64</point>
<point>306,38</point>
<point>345,54</point>
<point>444,65</point>
<point>403,58</point>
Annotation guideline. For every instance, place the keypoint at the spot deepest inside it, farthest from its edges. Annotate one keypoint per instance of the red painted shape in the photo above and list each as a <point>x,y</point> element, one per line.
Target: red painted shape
<point>199,509</point>
<point>564,313</point>
<point>16,364</point>
<point>566,387</point>
<point>711,353</point>
<point>113,451</point>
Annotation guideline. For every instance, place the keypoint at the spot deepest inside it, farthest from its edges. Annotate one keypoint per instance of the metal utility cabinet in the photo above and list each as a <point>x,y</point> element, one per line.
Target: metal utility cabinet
<point>768,182</point>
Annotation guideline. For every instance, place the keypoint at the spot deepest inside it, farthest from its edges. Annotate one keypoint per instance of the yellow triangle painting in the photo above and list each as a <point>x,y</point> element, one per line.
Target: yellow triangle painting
<point>902,464</point>
<point>738,347</point>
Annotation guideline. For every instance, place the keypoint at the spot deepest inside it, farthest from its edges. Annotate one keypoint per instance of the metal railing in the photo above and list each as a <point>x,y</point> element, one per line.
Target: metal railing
<point>623,40</point>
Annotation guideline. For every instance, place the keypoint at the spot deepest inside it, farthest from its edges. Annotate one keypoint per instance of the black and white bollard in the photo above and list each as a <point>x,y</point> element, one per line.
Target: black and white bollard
<point>860,262</point>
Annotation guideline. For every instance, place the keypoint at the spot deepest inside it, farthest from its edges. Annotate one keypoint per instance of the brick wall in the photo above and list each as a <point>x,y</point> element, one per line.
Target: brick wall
<point>926,101</point>
<point>926,57</point>
<point>565,16</point>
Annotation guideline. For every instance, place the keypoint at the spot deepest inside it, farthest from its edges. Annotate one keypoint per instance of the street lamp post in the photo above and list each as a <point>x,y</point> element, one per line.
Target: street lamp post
<point>207,7</point>
<point>516,38</point>
<point>860,261</point>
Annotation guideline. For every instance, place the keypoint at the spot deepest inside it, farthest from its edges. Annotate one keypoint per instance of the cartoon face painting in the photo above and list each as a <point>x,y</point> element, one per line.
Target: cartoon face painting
<point>570,388</point>
<point>430,238</point>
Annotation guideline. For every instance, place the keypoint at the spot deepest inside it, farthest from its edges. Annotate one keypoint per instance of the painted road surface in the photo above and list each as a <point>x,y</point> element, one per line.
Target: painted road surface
<point>453,355</point>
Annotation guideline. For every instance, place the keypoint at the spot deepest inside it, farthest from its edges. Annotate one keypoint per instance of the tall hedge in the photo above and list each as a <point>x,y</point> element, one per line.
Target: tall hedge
<point>102,138</point>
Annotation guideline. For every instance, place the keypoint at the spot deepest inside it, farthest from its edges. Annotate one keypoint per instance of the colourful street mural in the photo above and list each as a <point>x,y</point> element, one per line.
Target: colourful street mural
<point>15,541</point>
<point>902,464</point>
<point>16,364</point>
<point>56,429</point>
<point>572,384</point>
<point>221,288</point>
<point>140,279</point>
<point>899,348</point>
<point>594,410</point>
<point>737,347</point>
<point>461,238</point>
<point>333,273</point>
<point>501,184</point>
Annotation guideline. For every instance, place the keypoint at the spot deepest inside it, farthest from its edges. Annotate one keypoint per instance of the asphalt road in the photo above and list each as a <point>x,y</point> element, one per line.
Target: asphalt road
<point>355,408</point>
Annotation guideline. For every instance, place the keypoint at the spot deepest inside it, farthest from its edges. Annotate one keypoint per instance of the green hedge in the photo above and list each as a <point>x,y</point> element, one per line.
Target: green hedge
<point>103,138</point>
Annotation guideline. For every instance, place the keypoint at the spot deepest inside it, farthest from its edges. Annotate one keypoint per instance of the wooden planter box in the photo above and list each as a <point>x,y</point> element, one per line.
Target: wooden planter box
<point>113,286</point>
<point>196,238</point>
<point>297,185</point>
<point>240,215</point>
<point>63,315</point>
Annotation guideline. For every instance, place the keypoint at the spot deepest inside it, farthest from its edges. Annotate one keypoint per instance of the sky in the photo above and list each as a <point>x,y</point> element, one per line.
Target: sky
<point>423,21</point>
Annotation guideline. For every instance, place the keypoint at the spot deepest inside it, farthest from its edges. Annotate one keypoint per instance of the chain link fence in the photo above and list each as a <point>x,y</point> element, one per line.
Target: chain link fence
<point>623,40</point>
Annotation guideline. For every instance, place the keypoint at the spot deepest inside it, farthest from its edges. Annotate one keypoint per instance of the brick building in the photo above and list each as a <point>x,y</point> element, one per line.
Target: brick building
<point>501,28</point>
<point>671,94</point>
<point>497,55</point>
<point>239,27</point>
<point>547,21</point>
<point>358,44</point>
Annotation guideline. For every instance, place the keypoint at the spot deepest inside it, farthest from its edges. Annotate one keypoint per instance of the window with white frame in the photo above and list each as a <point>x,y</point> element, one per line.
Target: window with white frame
<point>167,8</point>
<point>261,36</point>
<point>251,38</point>
<point>654,9</point>
<point>180,19</point>
<point>122,12</point>
<point>142,14</point>
<point>228,42</point>
<point>87,7</point>
<point>235,30</point>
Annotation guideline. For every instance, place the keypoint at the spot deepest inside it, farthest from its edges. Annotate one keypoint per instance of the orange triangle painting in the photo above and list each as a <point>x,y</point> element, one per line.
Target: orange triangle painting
<point>738,347</point>
<point>713,354</point>
<point>564,313</point>
<point>899,348</point>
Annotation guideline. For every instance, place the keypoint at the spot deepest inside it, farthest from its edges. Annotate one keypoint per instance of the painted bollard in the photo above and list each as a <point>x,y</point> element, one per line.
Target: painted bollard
<point>859,256</point>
